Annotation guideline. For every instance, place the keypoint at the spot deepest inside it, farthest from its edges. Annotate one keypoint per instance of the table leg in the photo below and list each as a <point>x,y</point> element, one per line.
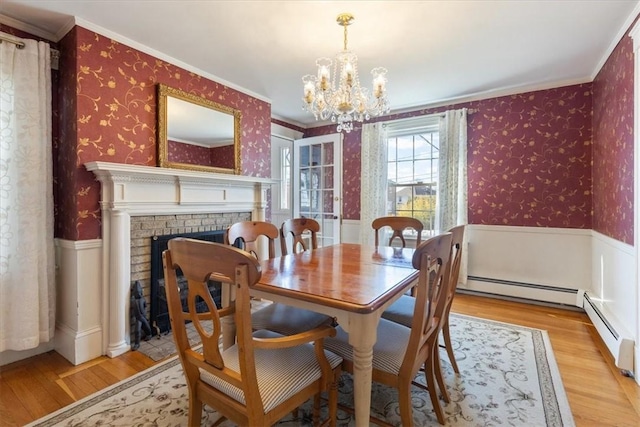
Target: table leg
<point>362,358</point>
<point>362,336</point>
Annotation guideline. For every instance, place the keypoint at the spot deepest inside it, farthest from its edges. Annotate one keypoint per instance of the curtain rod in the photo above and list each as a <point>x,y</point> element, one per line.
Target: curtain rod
<point>4,38</point>
<point>441,114</point>
<point>55,54</point>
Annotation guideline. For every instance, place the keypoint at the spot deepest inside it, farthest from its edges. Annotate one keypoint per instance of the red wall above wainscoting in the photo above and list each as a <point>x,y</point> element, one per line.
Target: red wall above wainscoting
<point>220,157</point>
<point>109,110</point>
<point>188,153</point>
<point>613,145</point>
<point>529,158</point>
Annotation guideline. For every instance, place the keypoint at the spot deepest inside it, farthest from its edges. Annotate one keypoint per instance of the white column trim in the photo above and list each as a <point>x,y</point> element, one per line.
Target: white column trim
<point>635,35</point>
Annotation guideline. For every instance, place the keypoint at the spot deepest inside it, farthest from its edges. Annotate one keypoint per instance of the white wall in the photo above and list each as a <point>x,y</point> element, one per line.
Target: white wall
<point>80,298</point>
<point>554,265</point>
<point>547,264</point>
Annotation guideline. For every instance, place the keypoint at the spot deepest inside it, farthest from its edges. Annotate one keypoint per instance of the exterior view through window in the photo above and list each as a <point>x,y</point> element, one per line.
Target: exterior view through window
<point>413,177</point>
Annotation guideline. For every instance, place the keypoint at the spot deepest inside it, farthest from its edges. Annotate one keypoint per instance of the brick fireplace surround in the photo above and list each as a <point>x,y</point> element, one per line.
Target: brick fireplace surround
<point>141,201</point>
<point>145,228</point>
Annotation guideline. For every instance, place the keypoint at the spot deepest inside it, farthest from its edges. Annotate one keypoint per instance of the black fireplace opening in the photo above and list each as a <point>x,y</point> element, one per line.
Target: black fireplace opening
<point>159,315</point>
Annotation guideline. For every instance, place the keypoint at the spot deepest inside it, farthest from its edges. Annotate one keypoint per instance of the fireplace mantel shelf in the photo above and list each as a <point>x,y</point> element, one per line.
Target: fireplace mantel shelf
<point>147,190</point>
<point>133,172</point>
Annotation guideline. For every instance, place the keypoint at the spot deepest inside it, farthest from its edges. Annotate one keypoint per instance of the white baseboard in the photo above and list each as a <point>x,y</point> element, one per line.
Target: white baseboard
<point>522,290</point>
<point>615,335</point>
<point>78,347</point>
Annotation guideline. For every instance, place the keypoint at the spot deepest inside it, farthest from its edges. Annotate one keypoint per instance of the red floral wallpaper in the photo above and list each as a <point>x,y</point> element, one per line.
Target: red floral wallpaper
<point>222,157</point>
<point>529,159</point>
<point>188,153</point>
<point>613,161</point>
<point>110,105</point>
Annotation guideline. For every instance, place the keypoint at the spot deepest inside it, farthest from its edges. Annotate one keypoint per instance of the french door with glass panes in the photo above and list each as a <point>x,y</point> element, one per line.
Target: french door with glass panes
<point>317,184</point>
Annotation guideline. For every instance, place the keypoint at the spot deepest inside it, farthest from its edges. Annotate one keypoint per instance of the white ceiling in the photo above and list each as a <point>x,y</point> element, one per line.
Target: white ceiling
<point>436,51</point>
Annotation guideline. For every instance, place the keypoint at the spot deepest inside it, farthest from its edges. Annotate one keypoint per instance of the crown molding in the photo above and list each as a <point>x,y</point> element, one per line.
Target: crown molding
<point>156,53</point>
<point>621,32</point>
<point>27,28</point>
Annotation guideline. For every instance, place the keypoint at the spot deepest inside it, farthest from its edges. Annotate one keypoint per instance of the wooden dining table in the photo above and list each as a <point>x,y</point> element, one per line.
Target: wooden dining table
<point>349,282</point>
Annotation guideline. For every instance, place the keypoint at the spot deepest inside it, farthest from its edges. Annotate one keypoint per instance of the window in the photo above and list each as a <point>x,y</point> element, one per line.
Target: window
<point>412,172</point>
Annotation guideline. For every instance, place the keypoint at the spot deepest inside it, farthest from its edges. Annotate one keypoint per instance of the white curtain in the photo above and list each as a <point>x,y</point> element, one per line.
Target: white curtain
<point>373,179</point>
<point>27,284</point>
<point>451,200</point>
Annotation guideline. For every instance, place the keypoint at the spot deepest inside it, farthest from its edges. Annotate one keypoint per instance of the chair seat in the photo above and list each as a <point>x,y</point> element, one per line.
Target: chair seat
<point>281,373</point>
<point>388,351</point>
<point>287,320</point>
<point>401,311</point>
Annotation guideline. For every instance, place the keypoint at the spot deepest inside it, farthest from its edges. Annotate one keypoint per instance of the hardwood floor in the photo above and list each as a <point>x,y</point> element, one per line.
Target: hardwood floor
<point>598,394</point>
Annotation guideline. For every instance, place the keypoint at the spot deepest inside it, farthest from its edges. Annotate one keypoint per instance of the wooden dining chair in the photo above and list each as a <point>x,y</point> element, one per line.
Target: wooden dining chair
<point>295,228</point>
<point>281,318</point>
<point>402,310</point>
<point>400,352</point>
<point>264,376</point>
<point>398,225</point>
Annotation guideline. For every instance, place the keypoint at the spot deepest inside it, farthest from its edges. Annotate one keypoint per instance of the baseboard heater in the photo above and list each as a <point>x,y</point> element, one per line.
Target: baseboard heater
<point>613,334</point>
<point>526,292</point>
<point>617,341</point>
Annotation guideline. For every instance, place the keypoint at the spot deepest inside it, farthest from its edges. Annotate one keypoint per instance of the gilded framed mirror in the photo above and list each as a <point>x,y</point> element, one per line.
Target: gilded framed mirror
<point>197,134</point>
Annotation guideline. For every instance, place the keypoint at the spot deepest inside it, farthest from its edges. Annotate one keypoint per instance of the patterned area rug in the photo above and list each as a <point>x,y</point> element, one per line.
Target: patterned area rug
<point>508,376</point>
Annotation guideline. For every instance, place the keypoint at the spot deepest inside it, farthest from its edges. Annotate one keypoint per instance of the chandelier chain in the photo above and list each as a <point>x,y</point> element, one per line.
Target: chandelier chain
<point>345,35</point>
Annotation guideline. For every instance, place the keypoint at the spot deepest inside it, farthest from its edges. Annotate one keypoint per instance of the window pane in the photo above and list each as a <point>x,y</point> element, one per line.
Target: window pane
<point>423,147</point>
<point>422,171</point>
<point>405,148</point>
<point>328,177</point>
<point>304,157</point>
<point>392,150</point>
<point>328,153</point>
<point>327,196</point>
<point>316,153</point>
<point>405,172</point>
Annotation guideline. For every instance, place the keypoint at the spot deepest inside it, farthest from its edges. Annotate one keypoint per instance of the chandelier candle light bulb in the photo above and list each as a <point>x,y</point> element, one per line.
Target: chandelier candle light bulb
<point>343,99</point>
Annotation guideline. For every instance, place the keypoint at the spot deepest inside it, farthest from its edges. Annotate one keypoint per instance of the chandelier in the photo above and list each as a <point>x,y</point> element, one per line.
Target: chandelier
<point>342,98</point>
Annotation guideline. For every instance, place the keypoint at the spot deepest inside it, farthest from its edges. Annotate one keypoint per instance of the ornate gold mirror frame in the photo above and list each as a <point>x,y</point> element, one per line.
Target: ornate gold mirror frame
<point>215,122</point>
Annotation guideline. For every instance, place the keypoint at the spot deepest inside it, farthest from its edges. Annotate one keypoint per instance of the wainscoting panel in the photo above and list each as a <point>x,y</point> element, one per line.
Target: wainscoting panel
<point>612,300</point>
<point>80,300</point>
<point>545,264</point>
<point>351,231</point>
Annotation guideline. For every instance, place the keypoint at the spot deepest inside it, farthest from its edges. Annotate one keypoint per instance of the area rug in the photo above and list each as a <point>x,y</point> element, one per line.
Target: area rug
<point>508,377</point>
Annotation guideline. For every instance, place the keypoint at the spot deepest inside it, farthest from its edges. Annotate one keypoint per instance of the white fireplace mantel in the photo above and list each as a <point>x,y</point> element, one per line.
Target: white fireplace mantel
<point>130,190</point>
